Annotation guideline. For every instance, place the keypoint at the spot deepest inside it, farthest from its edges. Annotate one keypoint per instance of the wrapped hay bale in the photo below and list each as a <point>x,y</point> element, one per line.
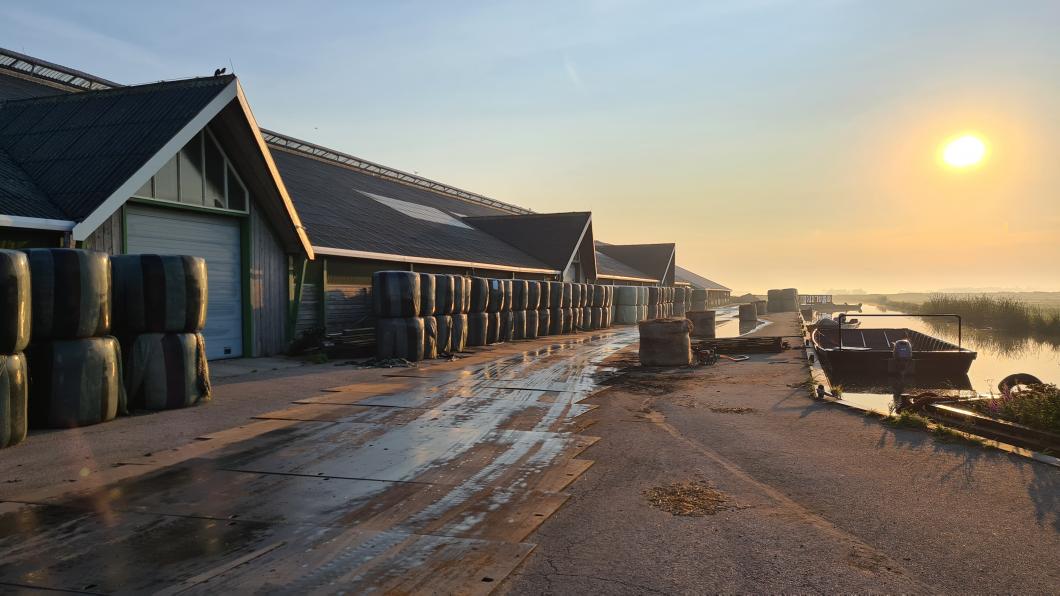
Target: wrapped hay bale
<point>75,382</point>
<point>596,317</point>
<point>568,295</point>
<point>518,324</point>
<point>430,338</point>
<point>653,295</point>
<point>165,371</point>
<point>500,296</point>
<point>461,294</point>
<point>400,338</point>
<point>627,296</point>
<point>627,314</point>
<point>761,306</point>
<point>546,295</point>
<point>396,294</point>
<point>520,294</point>
<point>665,343</point>
<point>555,294</point>
<point>587,319</point>
<point>652,312</point>
<point>531,324</point>
<point>427,288</point>
<point>70,292</point>
<point>703,323</point>
<point>444,325</point>
<point>480,295</point>
<point>458,334</point>
<point>493,328</point>
<point>508,325</point>
<point>15,303</point>
<point>576,325</point>
<point>599,296</point>
<point>477,329</point>
<point>544,322</point>
<point>555,321</point>
<point>13,404</point>
<point>533,295</point>
<point>158,294</point>
<point>748,313</point>
<point>567,315</point>
<point>576,295</point>
<point>786,300</point>
<point>444,294</point>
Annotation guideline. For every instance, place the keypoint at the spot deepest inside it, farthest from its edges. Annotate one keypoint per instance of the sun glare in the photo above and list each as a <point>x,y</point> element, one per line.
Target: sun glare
<point>964,151</point>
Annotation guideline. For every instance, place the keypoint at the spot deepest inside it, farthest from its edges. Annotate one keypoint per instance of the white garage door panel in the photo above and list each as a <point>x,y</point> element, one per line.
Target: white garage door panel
<point>216,239</point>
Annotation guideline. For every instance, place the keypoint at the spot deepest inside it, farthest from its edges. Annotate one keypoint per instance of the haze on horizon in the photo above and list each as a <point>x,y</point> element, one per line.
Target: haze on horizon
<point>779,143</point>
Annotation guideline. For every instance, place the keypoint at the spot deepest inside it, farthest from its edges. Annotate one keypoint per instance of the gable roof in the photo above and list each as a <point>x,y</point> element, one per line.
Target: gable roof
<point>552,238</point>
<point>612,268</point>
<point>698,280</point>
<point>78,149</point>
<point>656,260</point>
<point>349,212</point>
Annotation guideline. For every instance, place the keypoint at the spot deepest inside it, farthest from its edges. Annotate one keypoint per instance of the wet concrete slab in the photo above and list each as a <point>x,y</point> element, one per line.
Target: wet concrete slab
<point>425,481</point>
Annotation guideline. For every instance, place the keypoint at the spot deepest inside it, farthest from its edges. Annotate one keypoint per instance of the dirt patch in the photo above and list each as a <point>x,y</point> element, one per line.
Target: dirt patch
<point>731,410</point>
<point>693,498</point>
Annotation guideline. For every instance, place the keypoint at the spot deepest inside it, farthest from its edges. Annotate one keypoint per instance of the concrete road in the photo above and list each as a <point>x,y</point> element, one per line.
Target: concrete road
<point>821,499</point>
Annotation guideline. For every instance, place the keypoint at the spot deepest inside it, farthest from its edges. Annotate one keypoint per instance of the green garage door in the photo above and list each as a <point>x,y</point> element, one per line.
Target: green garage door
<point>216,239</point>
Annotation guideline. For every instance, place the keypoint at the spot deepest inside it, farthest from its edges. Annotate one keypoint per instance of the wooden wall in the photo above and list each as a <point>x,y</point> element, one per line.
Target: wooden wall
<point>108,236</point>
<point>268,288</point>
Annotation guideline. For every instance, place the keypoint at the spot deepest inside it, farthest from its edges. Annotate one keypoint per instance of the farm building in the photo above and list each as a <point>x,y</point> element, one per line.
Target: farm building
<point>291,231</point>
<point>717,294</point>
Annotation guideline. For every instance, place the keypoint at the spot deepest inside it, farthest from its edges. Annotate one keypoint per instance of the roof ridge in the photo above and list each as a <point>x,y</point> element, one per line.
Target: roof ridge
<point>51,72</point>
<point>320,152</point>
<point>141,88</point>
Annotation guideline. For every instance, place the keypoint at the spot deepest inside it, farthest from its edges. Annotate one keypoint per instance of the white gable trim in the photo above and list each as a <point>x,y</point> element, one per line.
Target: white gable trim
<point>36,223</point>
<point>82,230</point>
<point>382,256</point>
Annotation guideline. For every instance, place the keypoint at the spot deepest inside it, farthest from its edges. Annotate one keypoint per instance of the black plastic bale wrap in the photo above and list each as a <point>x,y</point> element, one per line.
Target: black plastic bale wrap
<point>444,294</point>
<point>500,295</point>
<point>555,294</point>
<point>546,295</point>
<point>477,329</point>
<point>427,286</point>
<point>444,326</point>
<point>665,343</point>
<point>653,295</point>
<point>399,338</point>
<point>568,319</point>
<point>13,404</point>
<point>544,322</point>
<point>480,295</point>
<point>75,382</point>
<point>568,294</point>
<point>653,311</point>
<point>599,296</point>
<point>493,328</point>
<point>458,333</point>
<point>531,324</point>
<point>533,295</point>
<point>519,324</point>
<point>596,317</point>
<point>520,294</point>
<point>396,294</point>
<point>165,371</point>
<point>587,318</point>
<point>15,302</point>
<point>70,293</point>
<point>555,321</point>
<point>430,338</point>
<point>575,295</point>
<point>461,294</point>
<point>507,325</point>
<point>158,294</point>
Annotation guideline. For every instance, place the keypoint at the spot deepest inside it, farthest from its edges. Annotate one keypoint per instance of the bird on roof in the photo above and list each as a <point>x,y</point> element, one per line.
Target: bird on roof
<point>218,72</point>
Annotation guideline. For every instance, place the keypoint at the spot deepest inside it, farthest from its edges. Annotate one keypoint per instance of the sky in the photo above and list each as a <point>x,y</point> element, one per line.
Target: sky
<point>778,143</point>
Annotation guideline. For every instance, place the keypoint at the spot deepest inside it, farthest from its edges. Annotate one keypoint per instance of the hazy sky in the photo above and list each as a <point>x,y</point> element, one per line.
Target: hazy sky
<point>778,143</point>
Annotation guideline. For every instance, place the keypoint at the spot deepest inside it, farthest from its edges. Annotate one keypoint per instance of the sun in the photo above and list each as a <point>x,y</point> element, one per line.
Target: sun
<point>964,151</point>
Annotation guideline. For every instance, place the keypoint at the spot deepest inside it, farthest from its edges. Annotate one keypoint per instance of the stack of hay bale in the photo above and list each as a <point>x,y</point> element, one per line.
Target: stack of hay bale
<point>399,330</point>
<point>533,301</point>
<point>445,316</point>
<point>627,304</point>
<point>698,299</point>
<point>498,303</point>
<point>477,315</point>
<point>679,302</point>
<point>688,299</point>
<point>544,310</point>
<point>461,305</point>
<point>520,300</point>
<point>761,306</point>
<point>555,307</point>
<point>576,307</point>
<point>786,300</point>
<point>159,306</point>
<point>568,310</point>
<point>596,310</point>
<point>426,313</point>
<point>588,297</point>
<point>74,365</point>
<point>654,312</point>
<point>14,337</point>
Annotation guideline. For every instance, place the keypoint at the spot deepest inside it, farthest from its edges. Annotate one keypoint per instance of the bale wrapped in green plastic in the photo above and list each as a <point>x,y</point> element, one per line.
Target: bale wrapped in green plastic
<point>400,337</point>
<point>531,324</point>
<point>444,294</point>
<point>15,302</point>
<point>477,329</point>
<point>461,295</point>
<point>75,382</point>
<point>165,371</point>
<point>544,322</point>
<point>13,404</point>
<point>480,295</point>
<point>158,294</point>
<point>396,294</point>
<point>444,325</point>
<point>427,287</point>
<point>70,293</point>
<point>458,334</point>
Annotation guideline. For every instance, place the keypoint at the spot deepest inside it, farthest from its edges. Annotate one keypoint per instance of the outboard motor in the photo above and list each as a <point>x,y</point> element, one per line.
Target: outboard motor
<point>902,366</point>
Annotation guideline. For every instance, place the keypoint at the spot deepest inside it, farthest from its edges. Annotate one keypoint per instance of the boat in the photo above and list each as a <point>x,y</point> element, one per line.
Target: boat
<point>870,351</point>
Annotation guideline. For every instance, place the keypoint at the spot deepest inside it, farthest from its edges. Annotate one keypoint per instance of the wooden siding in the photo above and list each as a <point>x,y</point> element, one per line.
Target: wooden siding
<point>107,237</point>
<point>349,306</point>
<point>268,288</point>
<point>308,310</point>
